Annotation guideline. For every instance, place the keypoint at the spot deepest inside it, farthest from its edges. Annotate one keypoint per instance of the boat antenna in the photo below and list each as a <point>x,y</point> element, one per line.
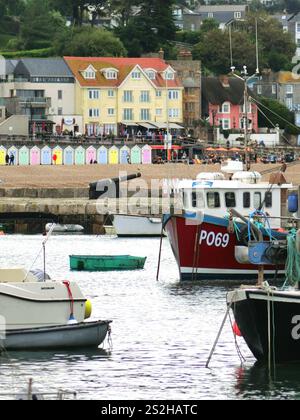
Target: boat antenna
<point>44,248</point>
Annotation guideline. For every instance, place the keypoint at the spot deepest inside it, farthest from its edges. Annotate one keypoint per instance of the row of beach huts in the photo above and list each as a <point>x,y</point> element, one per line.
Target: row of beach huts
<point>80,155</point>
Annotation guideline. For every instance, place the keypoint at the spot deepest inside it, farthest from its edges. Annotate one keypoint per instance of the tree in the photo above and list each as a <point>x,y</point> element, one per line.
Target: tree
<point>40,25</point>
<point>271,107</point>
<point>87,41</point>
<point>77,8</point>
<point>151,28</point>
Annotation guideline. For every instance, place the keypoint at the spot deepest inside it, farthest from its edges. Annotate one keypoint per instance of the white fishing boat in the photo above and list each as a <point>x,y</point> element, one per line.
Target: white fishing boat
<point>135,226</point>
<point>58,228</point>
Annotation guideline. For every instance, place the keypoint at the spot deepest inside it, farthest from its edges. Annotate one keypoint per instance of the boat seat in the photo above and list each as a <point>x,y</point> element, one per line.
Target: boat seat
<point>16,275</point>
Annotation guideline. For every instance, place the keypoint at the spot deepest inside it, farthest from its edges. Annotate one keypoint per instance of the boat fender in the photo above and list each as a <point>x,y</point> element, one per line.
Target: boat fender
<point>88,309</point>
<point>236,330</point>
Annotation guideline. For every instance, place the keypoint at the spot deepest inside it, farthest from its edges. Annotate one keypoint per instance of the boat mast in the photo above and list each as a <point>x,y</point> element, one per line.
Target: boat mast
<point>246,134</point>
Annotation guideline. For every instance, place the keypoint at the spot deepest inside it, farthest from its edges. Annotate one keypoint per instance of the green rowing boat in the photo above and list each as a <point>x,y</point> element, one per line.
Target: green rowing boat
<point>106,262</point>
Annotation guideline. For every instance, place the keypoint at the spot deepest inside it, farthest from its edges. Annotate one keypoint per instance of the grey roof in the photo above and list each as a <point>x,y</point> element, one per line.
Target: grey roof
<point>10,66</point>
<point>295,17</point>
<point>215,93</point>
<point>222,8</point>
<point>46,67</point>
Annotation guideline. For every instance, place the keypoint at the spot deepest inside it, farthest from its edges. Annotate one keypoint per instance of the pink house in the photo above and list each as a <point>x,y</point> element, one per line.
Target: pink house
<point>223,104</point>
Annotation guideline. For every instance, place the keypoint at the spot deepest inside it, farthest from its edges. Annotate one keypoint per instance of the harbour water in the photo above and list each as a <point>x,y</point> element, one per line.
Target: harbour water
<point>162,332</point>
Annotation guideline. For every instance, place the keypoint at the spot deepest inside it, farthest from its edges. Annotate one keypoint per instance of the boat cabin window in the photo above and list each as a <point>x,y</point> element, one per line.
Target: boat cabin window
<point>268,199</point>
<point>213,200</point>
<point>230,199</point>
<point>246,200</point>
<point>197,199</point>
<point>257,200</point>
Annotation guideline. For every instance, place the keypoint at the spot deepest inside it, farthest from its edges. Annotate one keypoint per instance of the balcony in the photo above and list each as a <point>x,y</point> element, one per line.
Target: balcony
<point>40,102</point>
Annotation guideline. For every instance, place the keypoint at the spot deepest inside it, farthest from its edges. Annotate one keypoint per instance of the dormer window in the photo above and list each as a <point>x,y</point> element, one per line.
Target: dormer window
<point>151,74</point>
<point>110,74</point>
<point>89,73</point>
<point>169,74</point>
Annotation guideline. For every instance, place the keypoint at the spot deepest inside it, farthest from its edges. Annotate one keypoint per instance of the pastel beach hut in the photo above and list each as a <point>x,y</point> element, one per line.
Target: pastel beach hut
<point>24,156</point>
<point>69,156</point>
<point>14,151</point>
<point>136,155</point>
<point>113,155</point>
<point>146,155</point>
<point>46,156</point>
<point>79,156</point>
<point>2,155</point>
<point>59,155</point>
<point>102,155</point>
<point>35,156</point>
<point>124,155</point>
<point>91,154</point>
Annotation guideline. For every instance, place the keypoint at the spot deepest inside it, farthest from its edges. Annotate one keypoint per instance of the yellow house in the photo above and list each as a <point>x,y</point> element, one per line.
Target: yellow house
<point>126,95</point>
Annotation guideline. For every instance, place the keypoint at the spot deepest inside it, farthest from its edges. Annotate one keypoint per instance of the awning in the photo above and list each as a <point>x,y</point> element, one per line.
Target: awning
<point>147,125</point>
<point>130,124</point>
<point>171,125</point>
<point>159,147</point>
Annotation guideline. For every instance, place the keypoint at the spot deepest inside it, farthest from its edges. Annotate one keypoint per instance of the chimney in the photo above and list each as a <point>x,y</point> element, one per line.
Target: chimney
<point>224,81</point>
<point>161,54</point>
<point>185,55</point>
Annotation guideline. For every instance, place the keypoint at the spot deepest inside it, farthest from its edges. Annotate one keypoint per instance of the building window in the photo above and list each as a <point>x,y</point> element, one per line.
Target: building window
<point>298,26</point>
<point>289,103</point>
<point>226,108</point>
<point>145,114</point>
<point>94,94</point>
<point>59,111</point>
<point>111,93</point>
<point>173,113</point>
<point>111,75</point>
<point>136,75</point>
<point>151,74</point>
<point>128,97</point>
<point>60,94</point>
<point>274,90</point>
<point>213,200</point>
<point>127,114</point>
<point>89,73</point>
<point>289,89</point>
<point>237,15</point>
<point>193,27</point>
<point>158,112</point>
<point>226,123</point>
<point>169,75</point>
<point>145,96</point>
<point>94,112</point>
<point>173,94</point>
<point>158,93</point>
<point>246,200</point>
<point>111,112</point>
<point>230,199</point>
<point>259,89</point>
<point>210,15</point>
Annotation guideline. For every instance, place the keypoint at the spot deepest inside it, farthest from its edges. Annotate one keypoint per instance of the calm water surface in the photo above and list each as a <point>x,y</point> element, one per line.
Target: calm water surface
<point>162,332</point>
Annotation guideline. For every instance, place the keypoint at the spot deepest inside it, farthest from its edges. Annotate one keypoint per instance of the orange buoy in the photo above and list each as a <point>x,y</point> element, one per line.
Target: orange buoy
<point>236,330</point>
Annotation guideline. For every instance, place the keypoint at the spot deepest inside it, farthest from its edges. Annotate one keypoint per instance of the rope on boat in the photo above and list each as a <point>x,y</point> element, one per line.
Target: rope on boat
<point>292,266</point>
<point>220,331</point>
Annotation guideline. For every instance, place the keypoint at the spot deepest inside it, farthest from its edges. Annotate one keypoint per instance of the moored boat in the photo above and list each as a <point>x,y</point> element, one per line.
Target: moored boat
<point>206,241</point>
<point>269,321</point>
<point>58,228</point>
<point>106,262</point>
<point>137,226</point>
<point>84,334</point>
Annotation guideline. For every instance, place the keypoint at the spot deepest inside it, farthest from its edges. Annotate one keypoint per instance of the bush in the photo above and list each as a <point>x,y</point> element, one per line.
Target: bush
<point>41,53</point>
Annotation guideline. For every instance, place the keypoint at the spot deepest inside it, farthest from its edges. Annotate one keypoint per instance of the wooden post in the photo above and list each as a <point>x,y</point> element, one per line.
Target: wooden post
<point>260,279</point>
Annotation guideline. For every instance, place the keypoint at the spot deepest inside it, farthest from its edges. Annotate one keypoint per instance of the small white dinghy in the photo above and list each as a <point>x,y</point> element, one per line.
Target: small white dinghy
<point>83,334</point>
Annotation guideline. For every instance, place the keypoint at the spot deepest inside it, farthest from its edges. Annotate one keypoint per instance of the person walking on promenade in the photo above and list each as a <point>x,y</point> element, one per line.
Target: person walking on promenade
<point>11,159</point>
<point>6,159</point>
